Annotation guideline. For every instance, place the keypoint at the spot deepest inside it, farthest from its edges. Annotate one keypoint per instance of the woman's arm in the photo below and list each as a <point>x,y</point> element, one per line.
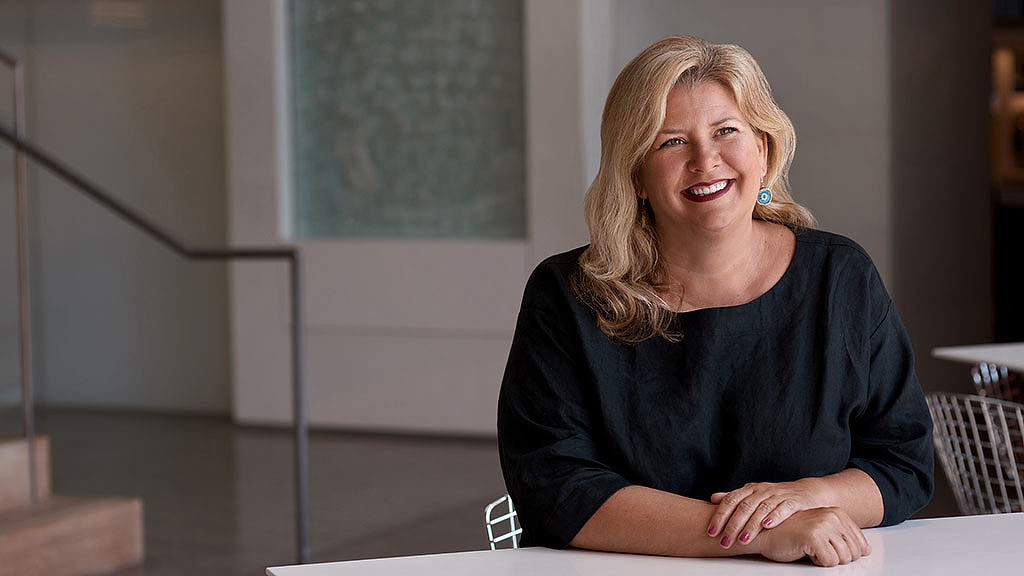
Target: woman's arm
<point>647,521</point>
<point>743,513</point>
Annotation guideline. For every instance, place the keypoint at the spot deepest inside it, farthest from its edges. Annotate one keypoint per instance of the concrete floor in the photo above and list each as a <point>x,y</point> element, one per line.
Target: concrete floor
<point>219,498</point>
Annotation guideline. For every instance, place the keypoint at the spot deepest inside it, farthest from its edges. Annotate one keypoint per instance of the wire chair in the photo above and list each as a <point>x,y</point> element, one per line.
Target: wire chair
<point>497,529</point>
<point>980,442</point>
<point>996,381</point>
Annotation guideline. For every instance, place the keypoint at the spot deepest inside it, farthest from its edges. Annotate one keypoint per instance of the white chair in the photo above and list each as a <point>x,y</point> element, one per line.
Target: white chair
<point>495,518</point>
<point>980,443</point>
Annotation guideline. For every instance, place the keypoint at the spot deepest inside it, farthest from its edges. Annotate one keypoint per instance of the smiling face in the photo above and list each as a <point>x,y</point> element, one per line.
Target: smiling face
<point>705,167</point>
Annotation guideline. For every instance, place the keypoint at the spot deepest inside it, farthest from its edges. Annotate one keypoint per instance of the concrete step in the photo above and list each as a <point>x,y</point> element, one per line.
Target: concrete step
<point>14,482</point>
<point>71,536</point>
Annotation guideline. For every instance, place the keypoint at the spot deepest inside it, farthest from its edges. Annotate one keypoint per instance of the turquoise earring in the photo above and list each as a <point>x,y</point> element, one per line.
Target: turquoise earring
<point>764,197</point>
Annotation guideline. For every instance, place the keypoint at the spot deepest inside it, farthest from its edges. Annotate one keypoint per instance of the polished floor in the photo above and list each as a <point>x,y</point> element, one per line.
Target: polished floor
<point>218,498</point>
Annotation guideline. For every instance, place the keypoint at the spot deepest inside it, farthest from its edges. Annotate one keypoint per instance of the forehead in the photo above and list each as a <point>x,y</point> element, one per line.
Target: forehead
<point>704,103</point>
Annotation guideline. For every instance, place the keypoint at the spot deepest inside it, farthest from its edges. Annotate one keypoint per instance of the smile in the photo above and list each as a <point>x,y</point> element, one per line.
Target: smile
<point>705,192</point>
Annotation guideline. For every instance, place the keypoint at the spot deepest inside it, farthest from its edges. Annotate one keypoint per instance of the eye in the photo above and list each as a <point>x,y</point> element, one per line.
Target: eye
<point>725,130</point>
<point>672,142</point>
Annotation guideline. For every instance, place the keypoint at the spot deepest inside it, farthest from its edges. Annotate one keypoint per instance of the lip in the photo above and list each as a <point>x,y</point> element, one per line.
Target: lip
<point>708,197</point>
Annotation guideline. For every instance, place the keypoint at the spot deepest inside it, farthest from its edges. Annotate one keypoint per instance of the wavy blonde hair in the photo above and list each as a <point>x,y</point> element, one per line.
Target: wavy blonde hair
<point>619,275</point>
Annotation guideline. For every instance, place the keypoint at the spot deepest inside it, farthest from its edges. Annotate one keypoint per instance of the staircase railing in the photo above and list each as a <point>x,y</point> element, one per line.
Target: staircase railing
<point>24,148</point>
<point>21,241</point>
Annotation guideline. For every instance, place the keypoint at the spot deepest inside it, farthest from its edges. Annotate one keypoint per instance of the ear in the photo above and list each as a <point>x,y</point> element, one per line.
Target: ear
<point>762,149</point>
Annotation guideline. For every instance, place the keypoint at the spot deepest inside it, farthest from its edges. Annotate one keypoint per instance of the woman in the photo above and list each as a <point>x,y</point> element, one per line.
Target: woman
<point>710,376</point>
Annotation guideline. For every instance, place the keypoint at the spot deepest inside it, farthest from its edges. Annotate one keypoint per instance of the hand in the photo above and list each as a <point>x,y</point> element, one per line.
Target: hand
<point>825,535</point>
<point>744,512</point>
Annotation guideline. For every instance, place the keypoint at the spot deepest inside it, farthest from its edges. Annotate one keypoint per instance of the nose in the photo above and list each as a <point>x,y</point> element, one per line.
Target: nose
<point>704,157</point>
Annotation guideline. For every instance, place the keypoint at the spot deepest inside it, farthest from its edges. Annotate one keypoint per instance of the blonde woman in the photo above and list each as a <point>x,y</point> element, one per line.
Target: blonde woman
<point>710,376</point>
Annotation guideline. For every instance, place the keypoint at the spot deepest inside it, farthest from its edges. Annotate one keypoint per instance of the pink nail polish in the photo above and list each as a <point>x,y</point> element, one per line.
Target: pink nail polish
<point>744,537</point>
<point>767,522</point>
<point>712,530</point>
<point>725,541</point>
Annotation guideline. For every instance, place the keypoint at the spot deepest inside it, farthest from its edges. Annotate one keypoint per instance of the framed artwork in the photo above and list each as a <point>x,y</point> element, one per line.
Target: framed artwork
<point>408,119</point>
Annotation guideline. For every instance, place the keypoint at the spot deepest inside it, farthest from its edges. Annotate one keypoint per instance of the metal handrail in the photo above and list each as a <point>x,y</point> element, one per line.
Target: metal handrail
<point>21,242</point>
<point>290,253</point>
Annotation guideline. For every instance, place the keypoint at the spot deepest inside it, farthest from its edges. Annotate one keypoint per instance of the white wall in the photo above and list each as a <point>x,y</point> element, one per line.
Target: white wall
<point>400,335</point>
<point>119,320</point>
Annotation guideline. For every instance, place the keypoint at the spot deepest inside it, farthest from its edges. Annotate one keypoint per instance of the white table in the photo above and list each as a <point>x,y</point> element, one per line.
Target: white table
<point>940,546</point>
<point>1009,355</point>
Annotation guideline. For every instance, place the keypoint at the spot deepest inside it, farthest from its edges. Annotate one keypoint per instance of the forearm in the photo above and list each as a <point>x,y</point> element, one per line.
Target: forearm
<point>853,491</point>
<point>647,521</point>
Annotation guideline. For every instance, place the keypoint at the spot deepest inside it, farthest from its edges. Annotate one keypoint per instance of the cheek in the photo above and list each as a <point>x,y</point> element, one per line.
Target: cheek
<point>652,173</point>
<point>744,156</point>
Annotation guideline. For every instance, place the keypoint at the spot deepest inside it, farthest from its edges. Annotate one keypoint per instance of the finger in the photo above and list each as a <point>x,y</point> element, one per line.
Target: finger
<point>754,524</point>
<point>717,497</point>
<point>740,517</point>
<point>856,545</point>
<point>824,554</point>
<point>861,538</point>
<point>725,509</point>
<point>842,548</point>
<point>780,513</point>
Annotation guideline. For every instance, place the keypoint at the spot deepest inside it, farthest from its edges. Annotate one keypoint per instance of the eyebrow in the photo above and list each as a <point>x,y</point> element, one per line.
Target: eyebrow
<point>725,120</point>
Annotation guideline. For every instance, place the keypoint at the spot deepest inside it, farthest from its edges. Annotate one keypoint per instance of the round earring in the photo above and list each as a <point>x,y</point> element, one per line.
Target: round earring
<point>764,197</point>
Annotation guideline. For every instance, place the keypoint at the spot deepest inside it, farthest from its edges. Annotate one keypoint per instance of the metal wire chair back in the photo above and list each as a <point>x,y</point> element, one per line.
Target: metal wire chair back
<point>996,381</point>
<point>503,528</point>
<point>980,442</point>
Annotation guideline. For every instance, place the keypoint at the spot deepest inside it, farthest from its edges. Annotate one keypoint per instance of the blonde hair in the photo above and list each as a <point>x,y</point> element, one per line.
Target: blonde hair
<point>619,272</point>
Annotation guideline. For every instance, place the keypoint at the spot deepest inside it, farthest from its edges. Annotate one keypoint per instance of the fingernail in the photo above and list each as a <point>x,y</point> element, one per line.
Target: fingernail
<point>744,537</point>
<point>712,530</point>
<point>767,522</point>
<point>726,541</point>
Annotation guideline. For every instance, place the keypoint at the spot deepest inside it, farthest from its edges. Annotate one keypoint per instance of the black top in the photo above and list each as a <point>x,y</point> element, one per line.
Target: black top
<point>813,377</point>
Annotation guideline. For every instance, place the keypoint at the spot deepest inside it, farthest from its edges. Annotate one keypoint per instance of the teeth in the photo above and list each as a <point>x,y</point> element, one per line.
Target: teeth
<point>705,190</point>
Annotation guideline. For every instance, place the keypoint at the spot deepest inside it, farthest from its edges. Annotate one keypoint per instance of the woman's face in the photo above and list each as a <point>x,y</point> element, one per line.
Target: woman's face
<point>705,167</point>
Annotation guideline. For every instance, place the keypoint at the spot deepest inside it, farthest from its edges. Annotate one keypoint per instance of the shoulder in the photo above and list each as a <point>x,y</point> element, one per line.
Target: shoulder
<point>550,283</point>
<point>563,263</point>
<point>837,247</point>
<point>850,281</point>
<point>556,270</point>
<point>838,257</point>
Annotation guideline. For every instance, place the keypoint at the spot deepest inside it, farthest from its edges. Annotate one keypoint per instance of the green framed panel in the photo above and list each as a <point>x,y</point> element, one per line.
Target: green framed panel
<point>408,118</point>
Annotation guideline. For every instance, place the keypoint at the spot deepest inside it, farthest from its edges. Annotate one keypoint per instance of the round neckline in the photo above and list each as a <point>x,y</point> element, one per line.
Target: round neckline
<point>766,308</point>
<point>785,273</point>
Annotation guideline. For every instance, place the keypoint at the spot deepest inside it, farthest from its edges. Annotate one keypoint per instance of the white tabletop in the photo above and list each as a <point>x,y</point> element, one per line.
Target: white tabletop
<point>939,546</point>
<point>1009,355</point>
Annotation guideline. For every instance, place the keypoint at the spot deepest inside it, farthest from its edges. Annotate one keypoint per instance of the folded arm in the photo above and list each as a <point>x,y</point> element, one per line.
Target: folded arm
<point>647,521</point>
<point>742,514</point>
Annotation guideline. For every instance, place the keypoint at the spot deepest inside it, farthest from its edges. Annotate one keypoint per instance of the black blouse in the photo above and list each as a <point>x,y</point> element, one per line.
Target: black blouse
<point>813,377</point>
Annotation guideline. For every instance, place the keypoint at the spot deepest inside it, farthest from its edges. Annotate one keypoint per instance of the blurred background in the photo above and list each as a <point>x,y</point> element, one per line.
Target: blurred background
<point>424,155</point>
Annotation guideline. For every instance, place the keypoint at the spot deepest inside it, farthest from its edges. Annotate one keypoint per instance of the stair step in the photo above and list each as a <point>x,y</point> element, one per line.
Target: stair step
<point>71,536</point>
<point>14,483</point>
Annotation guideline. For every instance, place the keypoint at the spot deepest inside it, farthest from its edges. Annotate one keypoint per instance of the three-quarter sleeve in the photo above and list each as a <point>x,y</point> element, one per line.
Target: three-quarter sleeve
<point>892,433</point>
<point>552,466</point>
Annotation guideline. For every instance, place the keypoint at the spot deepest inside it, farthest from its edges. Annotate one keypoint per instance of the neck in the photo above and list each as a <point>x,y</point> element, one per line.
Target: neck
<point>711,268</point>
